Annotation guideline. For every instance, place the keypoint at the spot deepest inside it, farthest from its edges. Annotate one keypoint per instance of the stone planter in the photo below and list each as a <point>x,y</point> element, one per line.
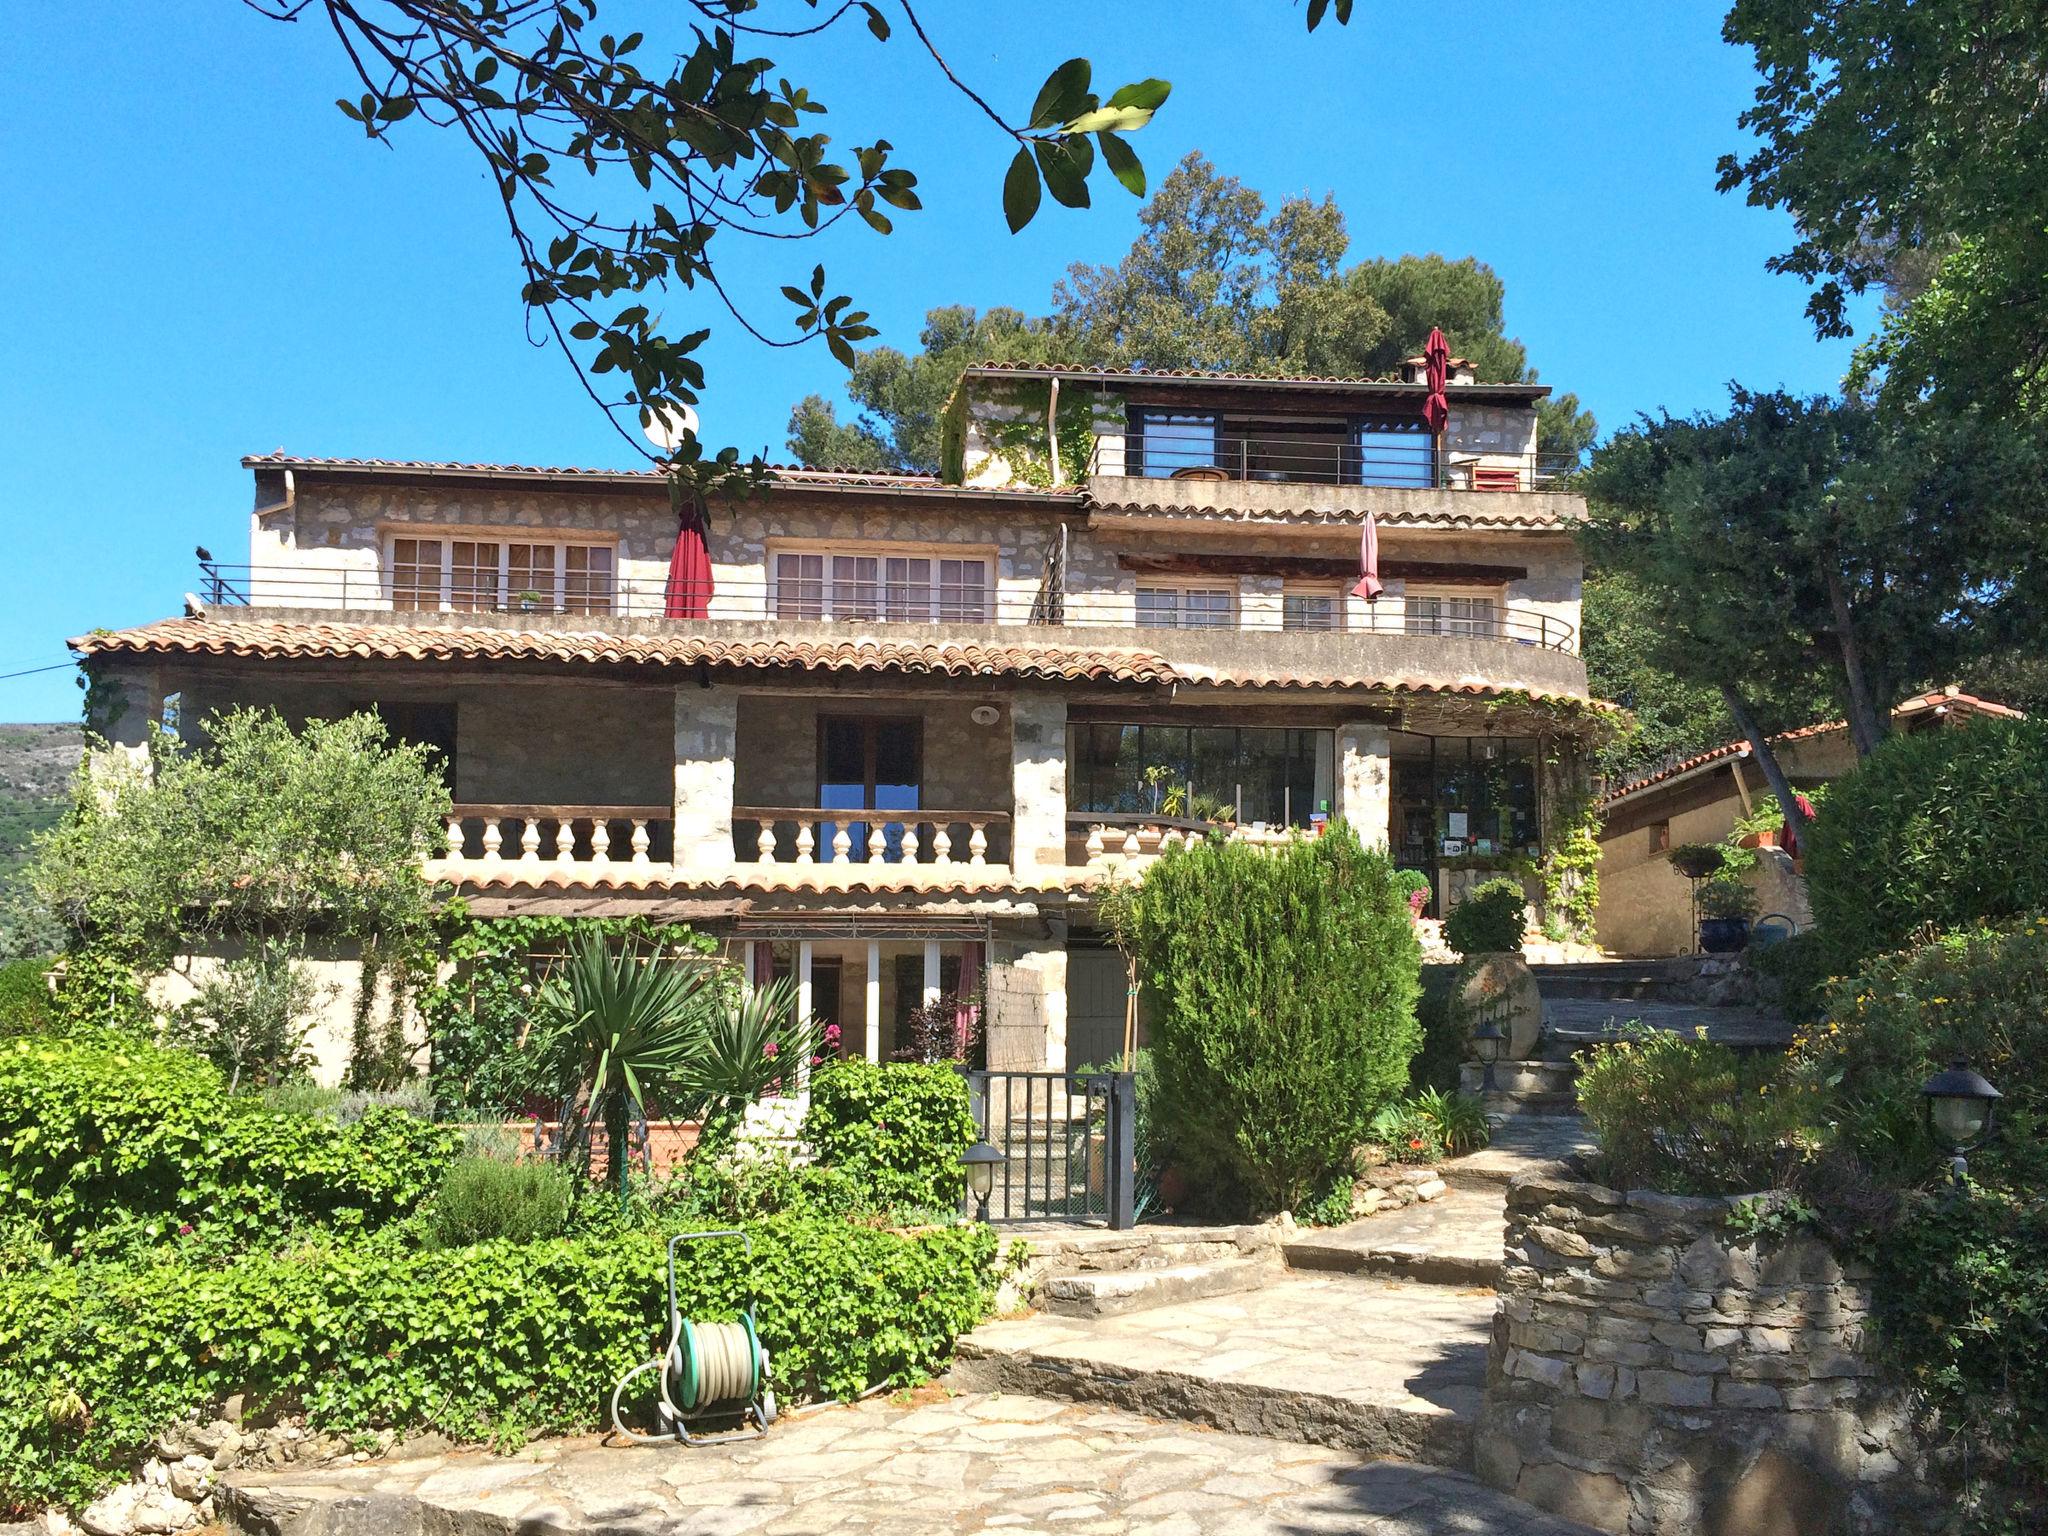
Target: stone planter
<point>1724,935</point>
<point>1653,1374</point>
<point>1504,984</point>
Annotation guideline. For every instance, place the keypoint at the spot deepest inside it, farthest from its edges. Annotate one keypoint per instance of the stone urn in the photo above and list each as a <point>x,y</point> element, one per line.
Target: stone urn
<point>1503,986</point>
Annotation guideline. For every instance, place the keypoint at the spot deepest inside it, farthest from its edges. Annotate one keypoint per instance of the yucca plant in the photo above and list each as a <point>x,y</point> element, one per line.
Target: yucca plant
<point>746,1045</point>
<point>631,1025</point>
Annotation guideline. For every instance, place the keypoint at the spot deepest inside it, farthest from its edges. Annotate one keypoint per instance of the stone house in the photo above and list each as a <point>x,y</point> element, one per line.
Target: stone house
<point>1646,905</point>
<point>927,716</point>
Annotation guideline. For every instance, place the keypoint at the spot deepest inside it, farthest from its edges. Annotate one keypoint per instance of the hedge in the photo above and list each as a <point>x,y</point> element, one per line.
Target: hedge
<point>490,1341</point>
<point>897,1131</point>
<point>1936,830</point>
<point>108,1144</point>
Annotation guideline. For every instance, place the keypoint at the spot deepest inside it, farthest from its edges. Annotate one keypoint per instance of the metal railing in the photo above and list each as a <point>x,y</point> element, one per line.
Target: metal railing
<point>770,834</point>
<point>1069,1145</point>
<point>1330,460</point>
<point>1225,604</point>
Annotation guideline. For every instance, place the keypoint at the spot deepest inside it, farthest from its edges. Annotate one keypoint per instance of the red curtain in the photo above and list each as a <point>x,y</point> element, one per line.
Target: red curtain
<point>1436,361</point>
<point>1369,586</point>
<point>689,568</point>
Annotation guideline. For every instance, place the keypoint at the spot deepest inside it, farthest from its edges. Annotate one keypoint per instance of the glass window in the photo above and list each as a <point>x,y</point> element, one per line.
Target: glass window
<point>473,577</point>
<point>856,587</point>
<point>907,592</point>
<point>799,586</point>
<point>1184,607</point>
<point>963,586</point>
<point>530,575</point>
<point>1396,451</point>
<point>1262,774</point>
<point>1311,610</point>
<point>415,574</point>
<point>1430,613</point>
<point>1167,442</point>
<point>586,578</point>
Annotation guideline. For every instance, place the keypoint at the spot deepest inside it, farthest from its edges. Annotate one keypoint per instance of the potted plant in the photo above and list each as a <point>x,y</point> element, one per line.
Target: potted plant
<point>1727,905</point>
<point>529,601</point>
<point>1696,861</point>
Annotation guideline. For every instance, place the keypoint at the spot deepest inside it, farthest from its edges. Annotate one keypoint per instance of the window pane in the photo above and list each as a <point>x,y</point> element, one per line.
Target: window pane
<point>963,587</point>
<point>1168,765</point>
<point>908,588</point>
<point>1424,615</point>
<point>800,586</point>
<point>1395,454</point>
<point>1170,442</point>
<point>473,577</point>
<point>587,578</point>
<point>856,587</point>
<point>1158,608</point>
<point>530,575</point>
<point>415,574</point>
<point>1303,610</point>
<point>1205,608</point>
<point>1215,753</point>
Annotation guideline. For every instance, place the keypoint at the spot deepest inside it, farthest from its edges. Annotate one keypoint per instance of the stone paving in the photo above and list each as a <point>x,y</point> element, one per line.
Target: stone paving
<point>1453,1239</point>
<point>1584,1020</point>
<point>971,1463</point>
<point>1384,1367</point>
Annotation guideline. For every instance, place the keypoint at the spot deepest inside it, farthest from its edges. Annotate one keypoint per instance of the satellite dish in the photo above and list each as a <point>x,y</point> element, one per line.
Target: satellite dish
<point>669,425</point>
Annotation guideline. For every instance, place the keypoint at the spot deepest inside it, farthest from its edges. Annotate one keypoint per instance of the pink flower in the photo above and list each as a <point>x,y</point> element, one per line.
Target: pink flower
<point>831,1034</point>
<point>184,1229</point>
<point>768,1050</point>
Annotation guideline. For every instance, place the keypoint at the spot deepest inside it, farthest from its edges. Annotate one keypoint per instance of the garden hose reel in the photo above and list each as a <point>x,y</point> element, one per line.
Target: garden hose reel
<point>707,1372</point>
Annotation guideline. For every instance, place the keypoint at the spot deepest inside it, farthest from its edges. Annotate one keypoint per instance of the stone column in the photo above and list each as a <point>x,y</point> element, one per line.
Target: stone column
<point>707,739</point>
<point>1038,786</point>
<point>1027,1004</point>
<point>1365,781</point>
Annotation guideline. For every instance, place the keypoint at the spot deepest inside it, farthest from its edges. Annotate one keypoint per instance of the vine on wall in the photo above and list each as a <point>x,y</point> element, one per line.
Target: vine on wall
<point>1021,443</point>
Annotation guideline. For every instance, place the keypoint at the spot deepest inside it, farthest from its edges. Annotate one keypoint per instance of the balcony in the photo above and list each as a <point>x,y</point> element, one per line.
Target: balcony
<point>1382,460</point>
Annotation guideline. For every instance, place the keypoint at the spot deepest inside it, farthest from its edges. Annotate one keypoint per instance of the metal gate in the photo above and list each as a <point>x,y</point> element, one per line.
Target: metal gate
<point>1068,1141</point>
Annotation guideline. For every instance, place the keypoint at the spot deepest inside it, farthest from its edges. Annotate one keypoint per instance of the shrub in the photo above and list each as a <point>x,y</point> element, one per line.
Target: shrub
<point>1691,1117</point>
<point>731,1189</point>
<point>1446,1032</point>
<point>114,1145</point>
<point>25,1007</point>
<point>1281,985</point>
<point>252,1018</point>
<point>1800,968</point>
<point>1981,994</point>
<point>1489,919</point>
<point>487,1341</point>
<point>1961,1291</point>
<point>485,1198</point>
<point>897,1131</point>
<point>1942,829</point>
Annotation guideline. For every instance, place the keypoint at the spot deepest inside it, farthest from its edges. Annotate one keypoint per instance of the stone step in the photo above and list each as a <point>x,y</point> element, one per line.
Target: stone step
<point>1526,1143</point>
<point>1110,1293</point>
<point>1454,1239</point>
<point>1386,1368</point>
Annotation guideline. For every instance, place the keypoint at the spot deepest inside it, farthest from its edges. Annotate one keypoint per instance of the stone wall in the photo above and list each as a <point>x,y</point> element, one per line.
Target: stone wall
<point>1651,1373</point>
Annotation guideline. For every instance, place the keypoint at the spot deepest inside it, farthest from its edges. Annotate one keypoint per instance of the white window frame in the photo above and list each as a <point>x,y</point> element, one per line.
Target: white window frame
<point>607,601</point>
<point>1331,592</point>
<point>1230,586</point>
<point>879,606</point>
<point>1465,626</point>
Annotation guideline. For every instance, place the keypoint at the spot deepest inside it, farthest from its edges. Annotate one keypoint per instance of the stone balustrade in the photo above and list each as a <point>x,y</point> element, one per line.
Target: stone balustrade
<point>1129,845</point>
<point>1654,1373</point>
<point>806,835</point>
<point>489,836</point>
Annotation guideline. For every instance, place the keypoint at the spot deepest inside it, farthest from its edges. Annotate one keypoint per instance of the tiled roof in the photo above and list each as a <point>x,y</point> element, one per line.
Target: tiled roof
<point>302,641</point>
<point>792,475</point>
<point>1226,376</point>
<point>1507,514</point>
<point>1919,704</point>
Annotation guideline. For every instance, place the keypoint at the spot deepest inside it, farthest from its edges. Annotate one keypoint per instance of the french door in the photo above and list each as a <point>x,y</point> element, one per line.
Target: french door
<point>869,764</point>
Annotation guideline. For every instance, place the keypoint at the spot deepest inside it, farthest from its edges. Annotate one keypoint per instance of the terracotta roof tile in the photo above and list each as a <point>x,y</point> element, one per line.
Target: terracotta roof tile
<point>1919,704</point>
<point>1227,376</point>
<point>1507,515</point>
<point>296,640</point>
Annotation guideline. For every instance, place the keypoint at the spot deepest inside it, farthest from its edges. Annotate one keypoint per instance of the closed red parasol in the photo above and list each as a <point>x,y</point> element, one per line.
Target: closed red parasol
<point>689,566</point>
<point>1369,585</point>
<point>1436,364</point>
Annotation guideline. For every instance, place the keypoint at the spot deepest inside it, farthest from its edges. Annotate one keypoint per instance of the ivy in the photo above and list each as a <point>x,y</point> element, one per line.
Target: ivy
<point>1021,443</point>
<point>896,1130</point>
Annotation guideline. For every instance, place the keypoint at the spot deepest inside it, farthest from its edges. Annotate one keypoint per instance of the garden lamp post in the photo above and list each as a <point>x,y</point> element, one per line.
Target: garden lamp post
<point>1488,1041</point>
<point>1960,1107</point>
<point>980,1161</point>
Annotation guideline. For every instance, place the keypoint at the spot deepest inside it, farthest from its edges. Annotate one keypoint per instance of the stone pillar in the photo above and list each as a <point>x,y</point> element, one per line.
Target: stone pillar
<point>1027,1004</point>
<point>1365,781</point>
<point>1038,787</point>
<point>707,739</point>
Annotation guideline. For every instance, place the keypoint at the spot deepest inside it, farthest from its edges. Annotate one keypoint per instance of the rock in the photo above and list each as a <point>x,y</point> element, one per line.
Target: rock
<point>138,1509</point>
<point>233,1407</point>
<point>429,1443</point>
<point>192,1482</point>
<point>1429,1189</point>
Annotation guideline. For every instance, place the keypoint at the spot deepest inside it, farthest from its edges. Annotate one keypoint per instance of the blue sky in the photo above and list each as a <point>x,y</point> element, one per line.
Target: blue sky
<point>202,258</point>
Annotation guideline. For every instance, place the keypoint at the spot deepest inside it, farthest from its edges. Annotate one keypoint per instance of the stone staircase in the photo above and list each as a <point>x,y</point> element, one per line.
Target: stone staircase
<point>1369,1337</point>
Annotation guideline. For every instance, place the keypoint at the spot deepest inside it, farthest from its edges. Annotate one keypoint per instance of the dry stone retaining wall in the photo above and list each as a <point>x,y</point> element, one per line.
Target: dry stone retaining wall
<point>1652,1373</point>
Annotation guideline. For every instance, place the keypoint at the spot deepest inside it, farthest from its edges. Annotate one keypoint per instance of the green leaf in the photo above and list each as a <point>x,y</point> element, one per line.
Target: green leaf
<point>1123,163</point>
<point>877,24</point>
<point>1065,164</point>
<point>1112,119</point>
<point>1020,191</point>
<point>1064,94</point>
<point>1146,95</point>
